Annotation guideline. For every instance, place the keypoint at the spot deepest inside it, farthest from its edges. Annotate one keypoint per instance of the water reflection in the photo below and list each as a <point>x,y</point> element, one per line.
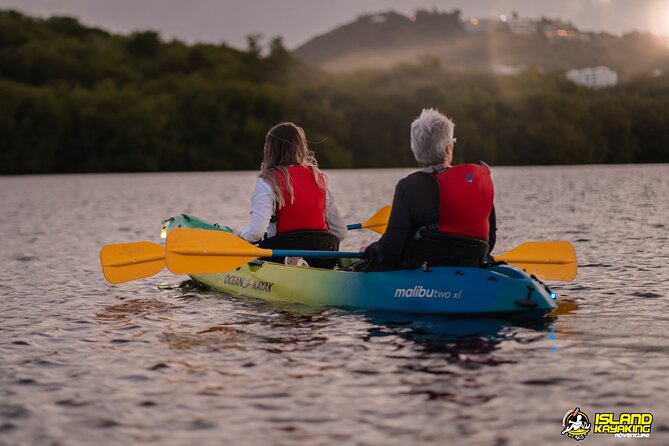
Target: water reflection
<point>455,339</point>
<point>211,340</point>
<point>281,327</point>
<point>137,307</point>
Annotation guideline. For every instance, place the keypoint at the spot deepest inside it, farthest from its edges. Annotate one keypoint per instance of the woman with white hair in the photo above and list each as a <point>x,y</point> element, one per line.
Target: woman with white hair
<point>442,214</point>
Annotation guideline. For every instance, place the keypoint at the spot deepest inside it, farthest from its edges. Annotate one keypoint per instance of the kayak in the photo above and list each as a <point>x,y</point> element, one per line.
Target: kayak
<point>498,290</point>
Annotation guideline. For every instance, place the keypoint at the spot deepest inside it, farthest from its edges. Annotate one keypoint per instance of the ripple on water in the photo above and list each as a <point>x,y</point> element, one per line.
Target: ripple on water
<point>22,258</point>
<point>647,294</point>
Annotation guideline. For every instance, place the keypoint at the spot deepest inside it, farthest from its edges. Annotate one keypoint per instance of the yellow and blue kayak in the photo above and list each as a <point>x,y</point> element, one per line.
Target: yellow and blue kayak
<point>497,290</point>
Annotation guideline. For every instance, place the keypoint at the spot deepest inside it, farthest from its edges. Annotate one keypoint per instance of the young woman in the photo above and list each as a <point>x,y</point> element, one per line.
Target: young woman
<point>291,196</point>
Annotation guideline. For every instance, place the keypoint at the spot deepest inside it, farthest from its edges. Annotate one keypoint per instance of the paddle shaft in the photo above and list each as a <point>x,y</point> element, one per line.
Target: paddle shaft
<point>533,261</point>
<point>131,261</point>
<point>267,253</point>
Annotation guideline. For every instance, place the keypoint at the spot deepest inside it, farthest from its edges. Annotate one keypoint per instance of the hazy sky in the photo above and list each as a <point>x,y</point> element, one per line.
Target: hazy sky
<point>298,20</point>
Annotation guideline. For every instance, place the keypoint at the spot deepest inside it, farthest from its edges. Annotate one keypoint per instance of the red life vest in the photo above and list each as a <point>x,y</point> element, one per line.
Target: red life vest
<point>466,195</point>
<point>307,211</point>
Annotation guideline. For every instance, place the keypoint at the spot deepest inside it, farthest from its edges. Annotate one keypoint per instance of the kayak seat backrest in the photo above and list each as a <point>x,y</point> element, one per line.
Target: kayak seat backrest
<point>439,249</point>
<point>311,240</point>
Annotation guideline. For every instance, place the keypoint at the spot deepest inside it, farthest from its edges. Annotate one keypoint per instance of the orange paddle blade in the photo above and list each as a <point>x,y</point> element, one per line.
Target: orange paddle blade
<point>124,262</point>
<point>552,260</point>
<point>199,251</point>
<point>379,221</point>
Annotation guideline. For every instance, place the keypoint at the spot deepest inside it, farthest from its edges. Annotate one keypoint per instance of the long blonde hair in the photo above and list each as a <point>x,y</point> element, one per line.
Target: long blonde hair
<point>285,146</point>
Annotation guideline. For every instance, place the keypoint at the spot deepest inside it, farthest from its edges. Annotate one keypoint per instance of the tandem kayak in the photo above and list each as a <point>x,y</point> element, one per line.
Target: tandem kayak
<point>498,290</point>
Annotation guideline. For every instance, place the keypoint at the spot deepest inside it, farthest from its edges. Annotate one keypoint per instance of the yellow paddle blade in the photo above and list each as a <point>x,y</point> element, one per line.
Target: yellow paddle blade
<point>554,260</point>
<point>199,251</point>
<point>379,221</point>
<point>124,262</point>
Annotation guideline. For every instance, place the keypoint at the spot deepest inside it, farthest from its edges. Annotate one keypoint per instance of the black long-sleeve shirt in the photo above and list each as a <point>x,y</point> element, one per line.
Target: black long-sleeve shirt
<point>415,204</point>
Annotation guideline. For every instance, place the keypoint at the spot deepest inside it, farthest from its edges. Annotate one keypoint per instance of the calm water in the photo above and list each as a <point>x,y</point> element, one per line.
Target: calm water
<point>154,361</point>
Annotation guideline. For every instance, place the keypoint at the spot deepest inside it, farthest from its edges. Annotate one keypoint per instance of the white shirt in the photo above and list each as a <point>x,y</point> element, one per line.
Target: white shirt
<point>263,206</point>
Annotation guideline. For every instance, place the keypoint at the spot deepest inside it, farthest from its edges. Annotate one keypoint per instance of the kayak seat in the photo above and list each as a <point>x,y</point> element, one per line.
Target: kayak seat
<point>311,240</point>
<point>439,249</point>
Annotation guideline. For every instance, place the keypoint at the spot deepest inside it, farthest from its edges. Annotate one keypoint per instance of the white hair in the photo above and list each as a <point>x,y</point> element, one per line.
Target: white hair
<point>431,132</point>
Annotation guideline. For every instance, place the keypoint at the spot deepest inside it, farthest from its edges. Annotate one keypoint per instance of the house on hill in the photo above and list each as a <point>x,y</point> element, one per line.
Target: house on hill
<point>523,27</point>
<point>595,77</point>
<point>557,30</point>
<point>476,25</point>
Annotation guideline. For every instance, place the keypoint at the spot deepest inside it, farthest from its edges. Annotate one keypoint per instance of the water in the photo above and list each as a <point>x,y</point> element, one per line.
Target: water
<point>153,362</point>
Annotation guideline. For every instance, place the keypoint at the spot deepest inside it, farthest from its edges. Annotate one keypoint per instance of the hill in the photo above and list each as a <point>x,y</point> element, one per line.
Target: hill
<point>80,99</point>
<point>386,39</point>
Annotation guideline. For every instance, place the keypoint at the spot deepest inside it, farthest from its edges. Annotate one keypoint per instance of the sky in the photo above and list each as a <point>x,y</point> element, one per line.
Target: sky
<point>230,21</point>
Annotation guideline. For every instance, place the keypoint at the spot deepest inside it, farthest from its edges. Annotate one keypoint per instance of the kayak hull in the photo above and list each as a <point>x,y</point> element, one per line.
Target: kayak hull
<point>502,289</point>
<point>443,290</point>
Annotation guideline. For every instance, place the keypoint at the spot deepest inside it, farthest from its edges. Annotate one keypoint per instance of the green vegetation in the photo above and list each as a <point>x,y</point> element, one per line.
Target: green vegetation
<point>78,99</point>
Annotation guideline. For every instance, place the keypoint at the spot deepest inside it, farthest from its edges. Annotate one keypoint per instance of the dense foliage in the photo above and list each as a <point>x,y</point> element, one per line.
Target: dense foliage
<point>78,99</point>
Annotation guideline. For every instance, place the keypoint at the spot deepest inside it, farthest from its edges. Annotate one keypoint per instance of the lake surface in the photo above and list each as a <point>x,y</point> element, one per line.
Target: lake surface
<point>158,362</point>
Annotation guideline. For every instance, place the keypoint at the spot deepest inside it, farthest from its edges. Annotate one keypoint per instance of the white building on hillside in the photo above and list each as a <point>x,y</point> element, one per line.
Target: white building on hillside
<point>557,30</point>
<point>378,18</point>
<point>596,77</point>
<point>523,27</point>
<point>474,25</point>
<point>508,70</point>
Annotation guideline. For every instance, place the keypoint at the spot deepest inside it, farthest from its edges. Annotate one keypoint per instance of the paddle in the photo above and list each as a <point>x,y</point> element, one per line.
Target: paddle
<point>377,222</point>
<point>196,251</point>
<point>136,260</point>
<point>555,260</point>
<point>124,262</point>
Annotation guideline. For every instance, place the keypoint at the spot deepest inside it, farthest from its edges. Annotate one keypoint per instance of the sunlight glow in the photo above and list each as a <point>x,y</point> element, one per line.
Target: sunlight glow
<point>660,22</point>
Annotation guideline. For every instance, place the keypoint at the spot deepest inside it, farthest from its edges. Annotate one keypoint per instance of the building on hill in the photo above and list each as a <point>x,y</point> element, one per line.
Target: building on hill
<point>595,77</point>
<point>476,25</point>
<point>378,18</point>
<point>554,30</point>
<point>523,27</point>
<point>508,70</point>
<point>557,30</point>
